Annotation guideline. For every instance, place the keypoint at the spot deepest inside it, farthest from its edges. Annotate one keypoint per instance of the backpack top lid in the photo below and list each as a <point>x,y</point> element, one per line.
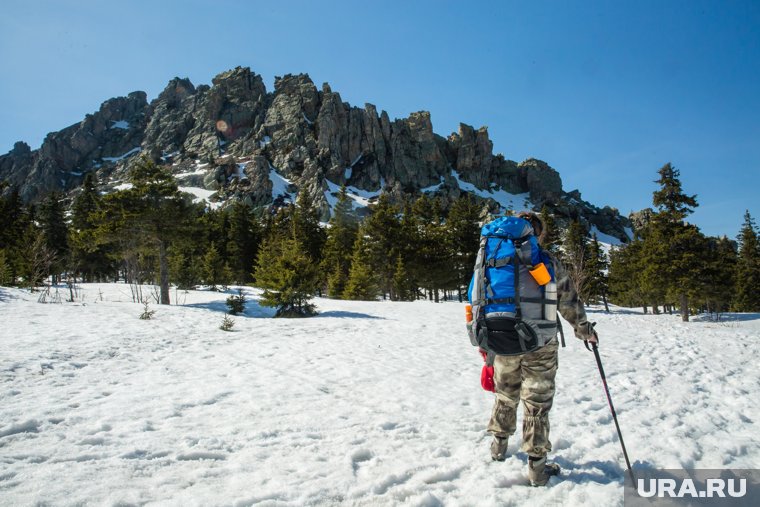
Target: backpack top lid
<point>508,227</point>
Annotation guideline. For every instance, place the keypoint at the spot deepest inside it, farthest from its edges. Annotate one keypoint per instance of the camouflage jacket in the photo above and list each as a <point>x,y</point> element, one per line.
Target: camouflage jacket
<point>570,304</point>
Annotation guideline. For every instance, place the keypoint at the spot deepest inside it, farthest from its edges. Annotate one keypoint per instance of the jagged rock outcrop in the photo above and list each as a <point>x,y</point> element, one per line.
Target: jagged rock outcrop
<point>230,137</point>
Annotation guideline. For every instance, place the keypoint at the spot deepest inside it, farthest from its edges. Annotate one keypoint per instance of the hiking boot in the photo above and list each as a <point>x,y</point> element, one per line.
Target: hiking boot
<point>499,448</point>
<point>539,470</point>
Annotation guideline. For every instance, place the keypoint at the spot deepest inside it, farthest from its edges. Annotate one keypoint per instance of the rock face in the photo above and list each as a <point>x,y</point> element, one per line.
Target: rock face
<point>232,135</point>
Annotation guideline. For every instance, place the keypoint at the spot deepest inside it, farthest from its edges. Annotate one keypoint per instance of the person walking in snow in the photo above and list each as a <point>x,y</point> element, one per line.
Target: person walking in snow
<point>523,375</point>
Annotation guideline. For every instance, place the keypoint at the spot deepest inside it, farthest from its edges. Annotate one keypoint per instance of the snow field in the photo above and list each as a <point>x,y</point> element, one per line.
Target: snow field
<point>371,403</point>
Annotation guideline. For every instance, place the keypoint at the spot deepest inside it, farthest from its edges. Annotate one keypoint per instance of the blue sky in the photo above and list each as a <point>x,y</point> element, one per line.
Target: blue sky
<point>605,92</point>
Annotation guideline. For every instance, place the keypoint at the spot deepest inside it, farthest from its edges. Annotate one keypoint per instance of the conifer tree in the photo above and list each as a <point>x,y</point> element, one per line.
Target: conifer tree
<point>286,272</point>
<point>55,232</point>
<point>625,275</point>
<point>552,239</point>
<point>184,268</point>
<point>305,216</point>
<point>341,235</point>
<point>213,268</point>
<point>463,233</point>
<point>748,268</point>
<point>576,255</point>
<point>434,269</point>
<point>403,286</point>
<point>243,239</point>
<point>147,218</point>
<point>409,232</point>
<point>5,269</point>
<point>362,282</point>
<point>717,279</point>
<point>88,258</point>
<point>16,219</point>
<point>597,265</point>
<point>382,237</point>
<point>673,247</point>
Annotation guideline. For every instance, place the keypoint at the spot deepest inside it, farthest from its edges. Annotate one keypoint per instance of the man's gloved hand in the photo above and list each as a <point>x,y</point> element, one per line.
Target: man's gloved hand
<point>486,373</point>
<point>592,338</point>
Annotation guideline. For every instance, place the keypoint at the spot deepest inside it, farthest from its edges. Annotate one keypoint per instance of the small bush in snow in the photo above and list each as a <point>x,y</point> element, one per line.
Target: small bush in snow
<point>236,304</point>
<point>146,314</point>
<point>227,323</point>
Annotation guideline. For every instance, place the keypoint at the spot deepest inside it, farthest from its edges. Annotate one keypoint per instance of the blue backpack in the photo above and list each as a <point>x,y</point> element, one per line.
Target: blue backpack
<point>513,291</point>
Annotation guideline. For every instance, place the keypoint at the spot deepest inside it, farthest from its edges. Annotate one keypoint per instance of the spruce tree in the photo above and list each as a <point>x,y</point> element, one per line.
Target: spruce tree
<point>5,269</point>
<point>717,280</point>
<point>362,281</point>
<point>403,286</point>
<point>576,255</point>
<point>286,272</point>
<point>463,233</point>
<point>382,238</point>
<point>147,218</point>
<point>341,235</point>
<point>243,239</point>
<point>674,247</point>
<point>306,225</point>
<point>552,240</point>
<point>433,258</point>
<point>597,265</point>
<point>625,275</point>
<point>213,268</point>
<point>16,219</point>
<point>748,268</point>
<point>51,217</point>
<point>89,259</point>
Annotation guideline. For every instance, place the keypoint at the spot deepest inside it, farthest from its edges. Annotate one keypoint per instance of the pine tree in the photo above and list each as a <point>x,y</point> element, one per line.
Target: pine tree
<point>432,257</point>
<point>403,286</point>
<point>382,237</point>
<point>213,268</point>
<point>341,236</point>
<point>673,204</point>
<point>16,219</point>
<point>576,255</point>
<point>673,246</point>
<point>748,268</point>
<point>625,275</point>
<point>288,275</point>
<point>717,281</point>
<point>51,217</point>
<point>597,265</point>
<point>88,258</point>
<point>243,239</point>
<point>305,218</point>
<point>146,219</point>
<point>551,240</point>
<point>463,233</point>
<point>362,282</point>
<point>183,267</point>
<point>5,269</point>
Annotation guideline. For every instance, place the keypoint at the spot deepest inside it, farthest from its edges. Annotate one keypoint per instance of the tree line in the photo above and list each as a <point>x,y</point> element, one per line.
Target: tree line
<point>151,233</point>
<point>670,263</point>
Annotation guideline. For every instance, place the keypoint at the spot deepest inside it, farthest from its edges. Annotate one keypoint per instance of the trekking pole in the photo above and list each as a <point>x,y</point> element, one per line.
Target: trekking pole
<point>612,409</point>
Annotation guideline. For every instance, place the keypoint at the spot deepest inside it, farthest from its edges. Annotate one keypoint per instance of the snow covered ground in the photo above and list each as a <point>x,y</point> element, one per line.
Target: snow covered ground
<point>368,404</point>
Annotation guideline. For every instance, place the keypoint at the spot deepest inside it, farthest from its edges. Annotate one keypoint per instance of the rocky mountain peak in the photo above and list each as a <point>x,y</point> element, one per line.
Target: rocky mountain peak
<point>245,143</point>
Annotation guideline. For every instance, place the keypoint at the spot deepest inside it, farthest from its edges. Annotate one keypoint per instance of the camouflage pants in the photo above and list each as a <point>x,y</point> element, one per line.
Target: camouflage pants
<point>529,377</point>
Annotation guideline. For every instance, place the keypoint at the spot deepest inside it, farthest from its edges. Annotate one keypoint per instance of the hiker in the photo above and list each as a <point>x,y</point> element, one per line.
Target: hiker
<point>522,365</point>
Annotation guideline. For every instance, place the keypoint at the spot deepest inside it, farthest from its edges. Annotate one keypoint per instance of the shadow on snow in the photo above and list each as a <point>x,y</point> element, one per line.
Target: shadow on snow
<point>348,315</point>
<point>253,309</point>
